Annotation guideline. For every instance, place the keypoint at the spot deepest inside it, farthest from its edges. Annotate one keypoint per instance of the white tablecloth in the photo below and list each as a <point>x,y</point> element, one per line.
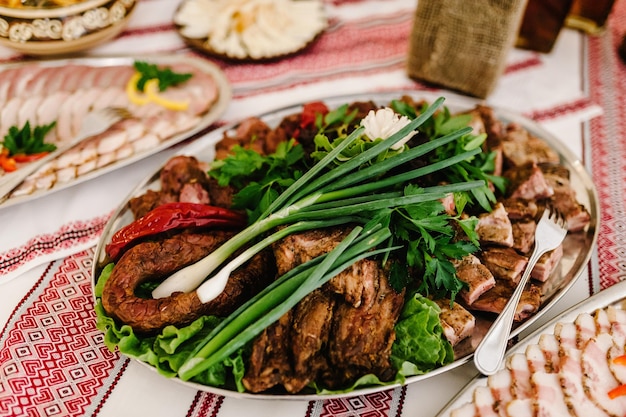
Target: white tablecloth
<point>46,244</point>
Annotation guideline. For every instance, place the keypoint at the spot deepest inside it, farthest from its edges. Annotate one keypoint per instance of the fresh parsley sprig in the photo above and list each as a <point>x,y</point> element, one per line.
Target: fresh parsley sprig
<point>166,76</point>
<point>259,179</point>
<point>28,141</point>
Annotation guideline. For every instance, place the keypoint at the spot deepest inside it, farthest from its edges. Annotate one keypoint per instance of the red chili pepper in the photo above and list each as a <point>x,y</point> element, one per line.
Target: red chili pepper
<point>618,391</point>
<point>620,360</point>
<point>22,157</point>
<point>310,112</point>
<point>171,216</point>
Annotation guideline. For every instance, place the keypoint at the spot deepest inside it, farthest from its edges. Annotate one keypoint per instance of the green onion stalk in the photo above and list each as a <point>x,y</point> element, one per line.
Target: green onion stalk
<point>322,197</point>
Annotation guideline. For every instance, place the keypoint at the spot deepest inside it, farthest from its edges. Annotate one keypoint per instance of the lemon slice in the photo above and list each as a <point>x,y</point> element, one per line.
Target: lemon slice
<point>152,91</point>
<point>135,96</point>
<point>151,95</point>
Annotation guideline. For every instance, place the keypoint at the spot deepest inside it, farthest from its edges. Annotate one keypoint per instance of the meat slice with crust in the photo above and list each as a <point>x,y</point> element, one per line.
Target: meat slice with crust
<point>504,263</point>
<point>564,198</point>
<point>520,147</point>
<point>495,227</point>
<point>457,322</point>
<point>361,337</point>
<point>527,182</point>
<point>496,298</point>
<point>523,235</point>
<point>477,277</point>
<point>546,264</point>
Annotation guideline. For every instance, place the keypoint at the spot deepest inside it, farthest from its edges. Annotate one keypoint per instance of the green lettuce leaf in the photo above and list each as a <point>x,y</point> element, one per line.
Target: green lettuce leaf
<point>420,345</point>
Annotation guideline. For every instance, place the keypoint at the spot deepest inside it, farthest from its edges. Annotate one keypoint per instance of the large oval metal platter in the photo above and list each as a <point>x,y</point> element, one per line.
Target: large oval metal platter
<point>613,297</point>
<point>204,121</point>
<point>577,246</point>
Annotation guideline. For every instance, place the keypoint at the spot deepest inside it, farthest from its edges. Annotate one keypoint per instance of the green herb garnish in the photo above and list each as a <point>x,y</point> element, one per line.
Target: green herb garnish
<point>166,76</point>
<point>26,141</point>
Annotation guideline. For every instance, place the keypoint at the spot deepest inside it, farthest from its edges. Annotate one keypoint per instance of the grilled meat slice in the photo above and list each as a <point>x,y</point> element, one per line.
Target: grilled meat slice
<point>268,364</point>
<point>564,198</point>
<point>457,322</point>
<point>495,227</point>
<point>527,182</point>
<point>311,322</point>
<point>299,248</point>
<point>476,275</point>
<point>504,263</point>
<point>496,298</point>
<point>520,147</point>
<point>362,337</point>
<point>524,235</point>
<point>518,209</point>
<point>546,264</point>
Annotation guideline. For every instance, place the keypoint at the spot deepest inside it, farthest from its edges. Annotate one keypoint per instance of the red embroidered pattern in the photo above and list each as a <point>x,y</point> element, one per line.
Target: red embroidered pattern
<point>53,360</point>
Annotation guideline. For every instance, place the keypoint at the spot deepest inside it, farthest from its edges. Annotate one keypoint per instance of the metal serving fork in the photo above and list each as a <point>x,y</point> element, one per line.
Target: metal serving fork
<point>94,122</point>
<point>550,232</point>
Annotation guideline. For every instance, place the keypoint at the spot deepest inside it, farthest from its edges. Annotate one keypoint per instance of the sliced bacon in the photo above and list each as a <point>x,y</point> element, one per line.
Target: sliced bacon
<point>500,385</point>
<point>571,375</point>
<point>549,398</point>
<point>598,379</point>
<point>520,372</point>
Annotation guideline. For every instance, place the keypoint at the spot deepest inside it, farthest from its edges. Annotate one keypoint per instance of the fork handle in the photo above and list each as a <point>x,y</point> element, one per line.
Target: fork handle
<point>490,351</point>
<point>10,182</point>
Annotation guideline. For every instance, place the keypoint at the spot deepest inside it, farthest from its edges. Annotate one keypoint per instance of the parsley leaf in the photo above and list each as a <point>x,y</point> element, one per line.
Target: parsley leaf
<point>166,76</point>
<point>432,242</point>
<point>27,141</point>
<point>259,179</point>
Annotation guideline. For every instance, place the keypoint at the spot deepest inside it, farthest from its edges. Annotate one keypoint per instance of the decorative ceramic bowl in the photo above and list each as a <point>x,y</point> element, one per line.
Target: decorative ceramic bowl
<point>54,27</point>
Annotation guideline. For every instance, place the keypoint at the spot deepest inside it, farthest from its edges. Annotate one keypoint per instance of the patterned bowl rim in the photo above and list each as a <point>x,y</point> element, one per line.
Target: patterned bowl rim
<point>39,13</point>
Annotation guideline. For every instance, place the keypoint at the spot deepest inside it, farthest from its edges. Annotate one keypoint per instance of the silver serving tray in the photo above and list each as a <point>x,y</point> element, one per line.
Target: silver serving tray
<point>613,296</point>
<point>216,111</point>
<point>577,246</point>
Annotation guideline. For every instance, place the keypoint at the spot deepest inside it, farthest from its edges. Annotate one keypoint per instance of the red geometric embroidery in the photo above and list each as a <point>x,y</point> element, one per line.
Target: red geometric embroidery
<point>53,360</point>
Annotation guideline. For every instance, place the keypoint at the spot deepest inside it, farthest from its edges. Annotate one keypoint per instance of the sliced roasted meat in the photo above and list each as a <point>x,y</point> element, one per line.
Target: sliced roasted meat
<point>154,260</point>
<point>477,277</point>
<point>457,322</point>
<point>521,147</point>
<point>310,330</point>
<point>357,288</point>
<point>504,263</point>
<point>523,235</point>
<point>268,365</point>
<point>495,227</point>
<point>527,182</point>
<point>496,298</point>
<point>362,336</point>
<point>564,198</point>
<point>546,264</point>
<point>518,209</point>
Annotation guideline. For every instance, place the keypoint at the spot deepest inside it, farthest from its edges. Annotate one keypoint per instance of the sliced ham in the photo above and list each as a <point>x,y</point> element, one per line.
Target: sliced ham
<point>546,264</point>
<point>477,277</point>
<point>457,322</point>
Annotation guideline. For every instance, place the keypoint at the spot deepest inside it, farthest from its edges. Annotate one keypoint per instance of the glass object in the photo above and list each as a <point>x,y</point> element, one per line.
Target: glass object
<point>542,23</point>
<point>589,15</point>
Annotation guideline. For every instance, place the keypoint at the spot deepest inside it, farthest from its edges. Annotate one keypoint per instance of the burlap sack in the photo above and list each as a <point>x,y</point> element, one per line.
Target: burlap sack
<point>463,44</point>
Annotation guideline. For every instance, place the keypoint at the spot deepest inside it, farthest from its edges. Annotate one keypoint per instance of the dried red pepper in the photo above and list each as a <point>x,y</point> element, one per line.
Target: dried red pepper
<point>310,112</point>
<point>172,216</point>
